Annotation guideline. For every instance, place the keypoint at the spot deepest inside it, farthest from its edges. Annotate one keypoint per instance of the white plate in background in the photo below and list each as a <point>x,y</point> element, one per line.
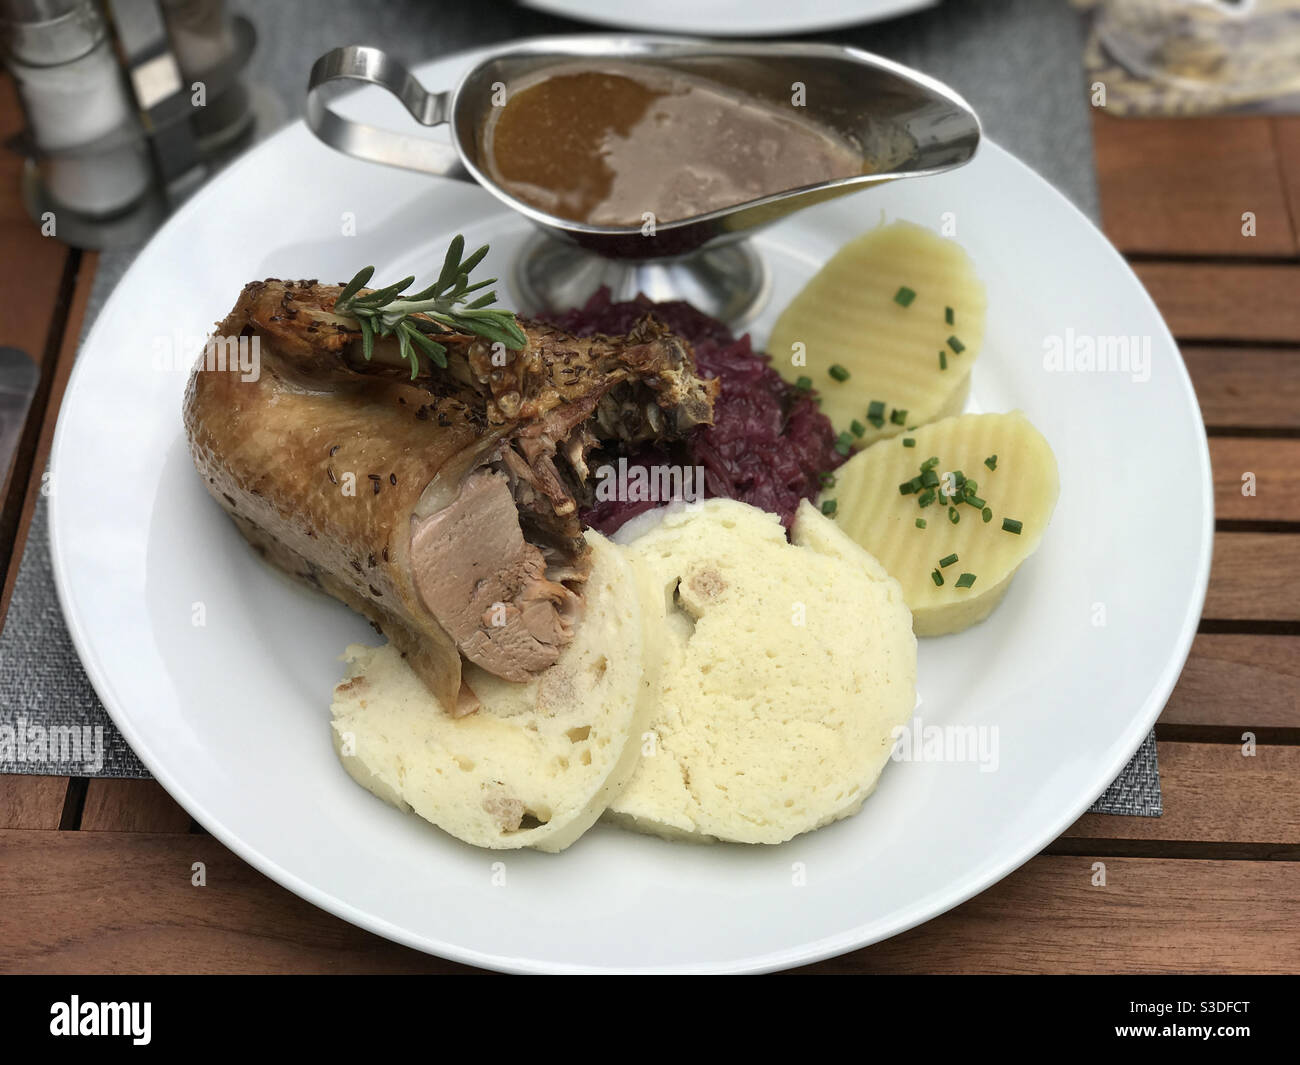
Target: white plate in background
<point>729,18</point>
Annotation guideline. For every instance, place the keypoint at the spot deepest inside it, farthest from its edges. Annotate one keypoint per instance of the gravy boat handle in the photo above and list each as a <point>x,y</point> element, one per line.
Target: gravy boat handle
<point>357,62</point>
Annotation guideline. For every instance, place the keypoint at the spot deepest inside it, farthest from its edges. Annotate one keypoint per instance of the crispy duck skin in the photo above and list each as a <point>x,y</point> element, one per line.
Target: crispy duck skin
<point>442,508</point>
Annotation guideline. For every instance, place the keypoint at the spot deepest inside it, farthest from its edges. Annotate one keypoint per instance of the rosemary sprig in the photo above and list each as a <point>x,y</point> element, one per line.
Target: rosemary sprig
<point>442,307</point>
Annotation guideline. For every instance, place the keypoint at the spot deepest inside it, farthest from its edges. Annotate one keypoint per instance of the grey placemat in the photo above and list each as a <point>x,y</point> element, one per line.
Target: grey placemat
<point>1016,61</point>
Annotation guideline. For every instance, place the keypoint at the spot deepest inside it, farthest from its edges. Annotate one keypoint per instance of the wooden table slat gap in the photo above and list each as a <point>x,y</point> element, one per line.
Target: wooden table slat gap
<point>1194,259</point>
<point>1178,850</point>
<point>1277,527</point>
<point>1239,344</point>
<point>74,804</point>
<point>1231,735</point>
<point>1247,627</point>
<point>1243,432</point>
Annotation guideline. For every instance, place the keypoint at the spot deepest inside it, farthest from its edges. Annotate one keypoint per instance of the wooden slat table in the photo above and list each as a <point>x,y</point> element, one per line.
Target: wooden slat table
<point>1213,886</point>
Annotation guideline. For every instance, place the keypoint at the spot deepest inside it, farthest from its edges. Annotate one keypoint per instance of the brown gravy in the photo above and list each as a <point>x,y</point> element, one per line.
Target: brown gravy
<point>608,145</point>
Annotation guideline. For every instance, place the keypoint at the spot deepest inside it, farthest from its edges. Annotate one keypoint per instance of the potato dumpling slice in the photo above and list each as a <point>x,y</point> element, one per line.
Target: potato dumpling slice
<point>852,315</point>
<point>1021,491</point>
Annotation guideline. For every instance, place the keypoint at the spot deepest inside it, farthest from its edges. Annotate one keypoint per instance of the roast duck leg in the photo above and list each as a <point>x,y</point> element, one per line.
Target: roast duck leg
<point>443,507</point>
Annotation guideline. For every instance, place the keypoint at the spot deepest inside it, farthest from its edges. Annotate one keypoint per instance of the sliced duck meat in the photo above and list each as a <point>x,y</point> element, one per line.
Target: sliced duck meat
<point>483,582</point>
<point>443,507</point>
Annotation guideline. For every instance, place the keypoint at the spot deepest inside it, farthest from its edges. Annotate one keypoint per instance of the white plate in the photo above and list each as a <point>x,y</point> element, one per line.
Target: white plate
<point>729,18</point>
<point>233,716</point>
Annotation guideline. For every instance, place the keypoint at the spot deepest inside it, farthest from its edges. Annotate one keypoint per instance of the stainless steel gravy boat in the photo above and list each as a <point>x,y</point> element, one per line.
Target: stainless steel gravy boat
<point>907,124</point>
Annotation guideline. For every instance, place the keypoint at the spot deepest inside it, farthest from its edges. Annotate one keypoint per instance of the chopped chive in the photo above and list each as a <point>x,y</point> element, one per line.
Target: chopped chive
<point>875,409</point>
<point>907,488</point>
<point>826,478</point>
<point>957,346</point>
<point>930,479</point>
<point>987,513</point>
<point>828,507</point>
<point>947,315</point>
<point>959,477</point>
<point>953,516</point>
<point>804,384</point>
<point>838,372</point>
<point>920,523</point>
<point>877,421</point>
<point>991,462</point>
<point>965,580</point>
<point>908,442</point>
<point>937,577</point>
<point>930,463</point>
<point>971,486</point>
<point>947,561</point>
<point>904,296</point>
<point>844,443</point>
<point>925,498</point>
<point>1011,525</point>
<point>857,427</point>
<point>943,360</point>
<point>898,417</point>
<point>974,501</point>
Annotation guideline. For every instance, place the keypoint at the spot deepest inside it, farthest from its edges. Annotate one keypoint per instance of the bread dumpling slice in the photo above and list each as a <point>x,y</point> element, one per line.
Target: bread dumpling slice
<point>786,667</point>
<point>901,310</point>
<point>537,763</point>
<point>953,573</point>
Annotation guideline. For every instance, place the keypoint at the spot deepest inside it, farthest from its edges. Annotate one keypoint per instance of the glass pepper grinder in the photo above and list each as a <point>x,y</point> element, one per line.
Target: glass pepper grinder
<point>84,130</point>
